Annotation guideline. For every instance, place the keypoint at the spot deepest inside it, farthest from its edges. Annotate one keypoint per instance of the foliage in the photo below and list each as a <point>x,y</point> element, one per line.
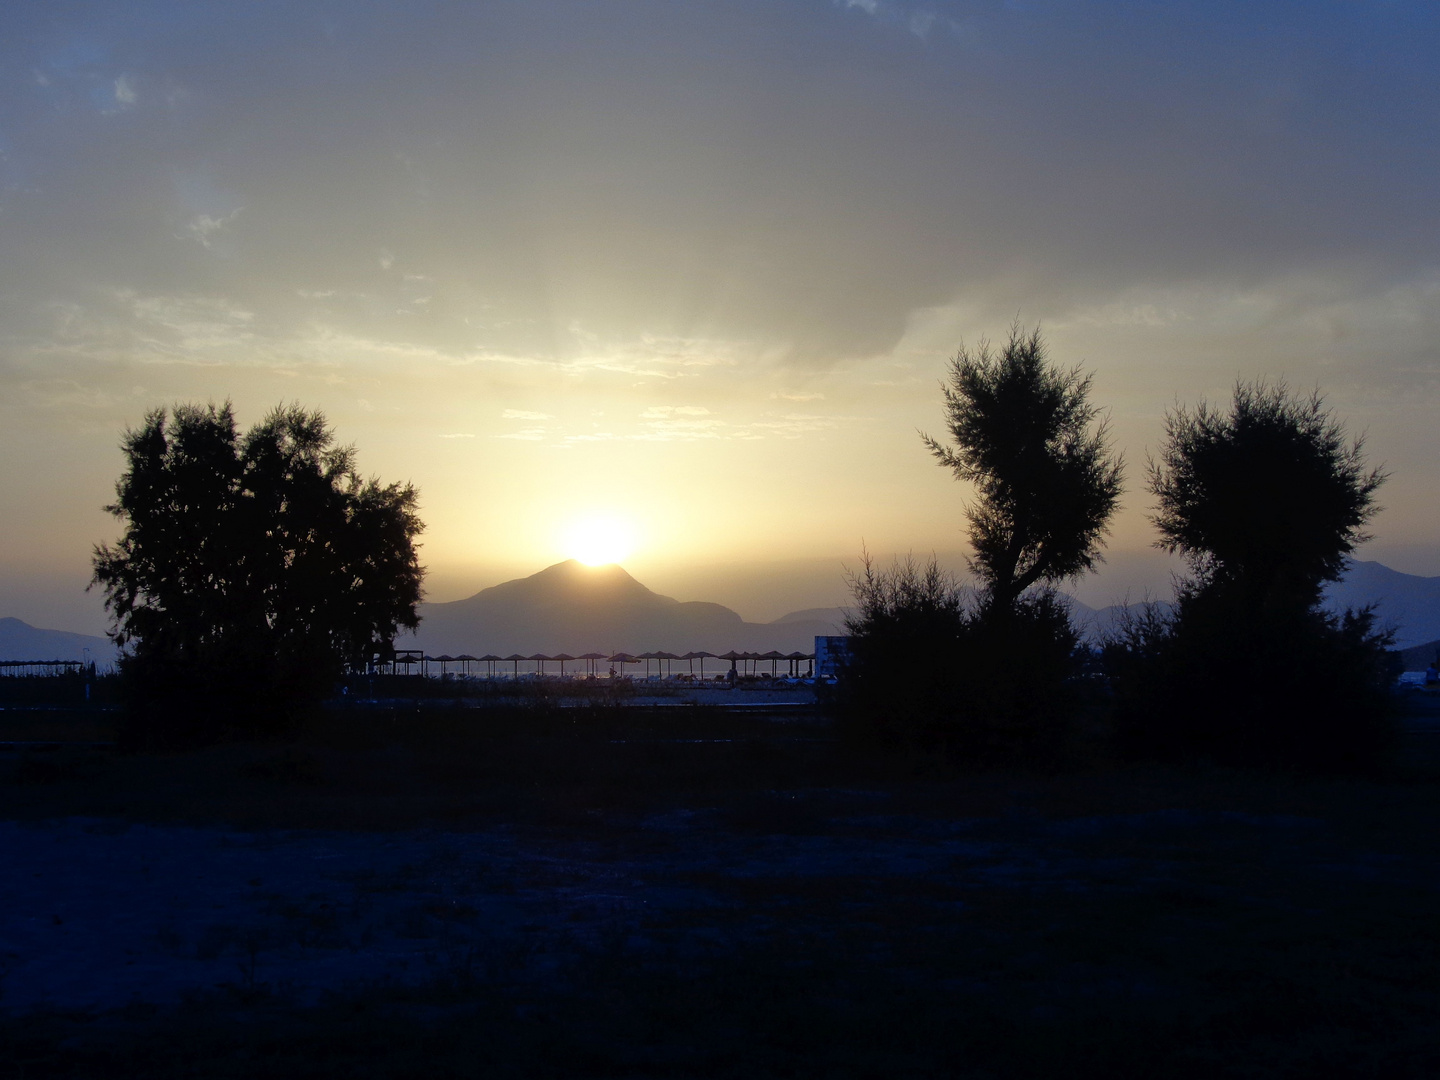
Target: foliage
<point>1312,690</point>
<point>908,631</point>
<point>1047,480</point>
<point>992,679</point>
<point>251,569</point>
<point>1265,502</point>
<point>930,672</point>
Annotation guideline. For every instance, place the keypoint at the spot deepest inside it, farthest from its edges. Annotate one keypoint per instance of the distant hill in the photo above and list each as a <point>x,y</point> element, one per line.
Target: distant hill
<point>1407,602</point>
<point>21,641</point>
<point>573,608</point>
<point>1098,624</point>
<point>831,616</point>
<point>1419,657</point>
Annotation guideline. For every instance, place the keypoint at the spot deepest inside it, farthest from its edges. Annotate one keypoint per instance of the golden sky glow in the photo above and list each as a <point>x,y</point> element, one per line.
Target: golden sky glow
<point>598,541</point>
<point>698,269</point>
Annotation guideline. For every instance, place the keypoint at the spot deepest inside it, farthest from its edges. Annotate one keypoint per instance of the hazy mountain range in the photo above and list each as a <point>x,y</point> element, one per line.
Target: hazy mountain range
<point>1406,603</point>
<point>21,641</point>
<point>573,608</point>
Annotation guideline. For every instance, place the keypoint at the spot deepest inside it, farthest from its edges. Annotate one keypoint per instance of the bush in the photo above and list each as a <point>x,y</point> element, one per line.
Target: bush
<point>935,673</point>
<point>1310,690</point>
<point>1266,502</point>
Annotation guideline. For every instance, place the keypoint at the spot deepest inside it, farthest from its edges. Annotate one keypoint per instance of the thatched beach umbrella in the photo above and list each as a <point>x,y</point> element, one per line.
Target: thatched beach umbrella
<point>540,659</point>
<point>795,658</point>
<point>647,657</point>
<point>774,656</point>
<point>464,659</point>
<point>667,657</point>
<point>623,658</point>
<point>489,660</point>
<point>442,660</point>
<point>692,657</point>
<point>515,658</point>
<point>590,658</point>
<point>562,657</point>
<point>732,656</point>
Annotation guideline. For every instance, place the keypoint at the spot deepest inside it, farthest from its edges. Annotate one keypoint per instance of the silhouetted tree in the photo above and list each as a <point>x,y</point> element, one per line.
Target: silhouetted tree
<point>1266,502</point>
<point>251,569</point>
<point>988,679</point>
<point>1046,479</point>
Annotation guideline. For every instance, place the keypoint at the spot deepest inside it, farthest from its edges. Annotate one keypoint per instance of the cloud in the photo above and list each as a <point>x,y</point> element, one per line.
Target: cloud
<point>919,21</point>
<point>206,228</point>
<point>792,425</point>
<point>66,394</point>
<point>125,93</point>
<point>191,329</point>
<point>520,207</point>
<point>670,430</point>
<point>657,211</point>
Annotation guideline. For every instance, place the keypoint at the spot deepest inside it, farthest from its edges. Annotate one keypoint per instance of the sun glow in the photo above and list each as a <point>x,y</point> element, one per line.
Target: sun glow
<point>597,541</point>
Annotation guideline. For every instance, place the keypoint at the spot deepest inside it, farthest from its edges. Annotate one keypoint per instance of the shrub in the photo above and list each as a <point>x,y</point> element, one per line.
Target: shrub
<point>936,672</point>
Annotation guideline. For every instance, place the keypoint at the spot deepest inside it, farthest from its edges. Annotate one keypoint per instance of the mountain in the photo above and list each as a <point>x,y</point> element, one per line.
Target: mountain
<point>21,641</point>
<point>1407,602</point>
<point>1419,657</point>
<point>570,607</point>
<point>573,608</point>
<point>830,616</point>
<point>1096,625</point>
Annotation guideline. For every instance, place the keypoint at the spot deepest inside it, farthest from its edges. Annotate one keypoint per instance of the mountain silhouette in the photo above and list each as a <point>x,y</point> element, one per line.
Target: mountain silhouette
<point>574,608</point>
<point>21,641</point>
<point>1408,603</point>
<point>570,607</point>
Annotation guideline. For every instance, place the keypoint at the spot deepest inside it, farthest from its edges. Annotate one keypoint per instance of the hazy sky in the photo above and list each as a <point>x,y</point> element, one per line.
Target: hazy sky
<point>697,266</point>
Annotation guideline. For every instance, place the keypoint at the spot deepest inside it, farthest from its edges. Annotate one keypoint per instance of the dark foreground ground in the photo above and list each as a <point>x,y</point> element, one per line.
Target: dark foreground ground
<point>690,894</point>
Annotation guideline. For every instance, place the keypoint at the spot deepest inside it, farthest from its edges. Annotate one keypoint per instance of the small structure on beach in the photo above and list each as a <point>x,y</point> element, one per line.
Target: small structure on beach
<point>831,654</point>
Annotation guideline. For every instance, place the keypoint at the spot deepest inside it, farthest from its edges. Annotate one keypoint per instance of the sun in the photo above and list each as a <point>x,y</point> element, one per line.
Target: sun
<point>598,541</point>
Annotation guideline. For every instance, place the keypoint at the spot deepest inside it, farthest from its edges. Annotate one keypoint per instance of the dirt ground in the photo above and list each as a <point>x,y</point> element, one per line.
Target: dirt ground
<point>434,893</point>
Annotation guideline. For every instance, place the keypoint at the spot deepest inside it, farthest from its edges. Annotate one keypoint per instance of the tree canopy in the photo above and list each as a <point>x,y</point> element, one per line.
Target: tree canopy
<point>262,560</point>
<point>1265,501</point>
<point>1269,498</point>
<point>1047,481</point>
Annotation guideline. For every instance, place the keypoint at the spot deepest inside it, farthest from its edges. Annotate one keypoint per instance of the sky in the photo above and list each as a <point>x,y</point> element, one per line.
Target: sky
<point>697,269</point>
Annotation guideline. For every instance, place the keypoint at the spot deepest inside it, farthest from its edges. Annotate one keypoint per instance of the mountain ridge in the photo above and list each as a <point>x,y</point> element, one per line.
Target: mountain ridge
<point>573,608</point>
<point>21,641</point>
<point>1408,603</point>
